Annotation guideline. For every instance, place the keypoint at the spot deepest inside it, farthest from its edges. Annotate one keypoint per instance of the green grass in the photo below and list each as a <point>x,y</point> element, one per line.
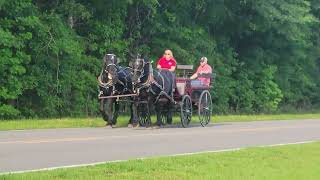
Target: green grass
<point>50,123</point>
<point>123,121</point>
<point>284,163</point>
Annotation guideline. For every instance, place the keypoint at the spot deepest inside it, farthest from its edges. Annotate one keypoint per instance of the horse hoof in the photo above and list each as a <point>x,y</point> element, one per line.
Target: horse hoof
<point>130,126</point>
<point>108,126</point>
<point>156,127</point>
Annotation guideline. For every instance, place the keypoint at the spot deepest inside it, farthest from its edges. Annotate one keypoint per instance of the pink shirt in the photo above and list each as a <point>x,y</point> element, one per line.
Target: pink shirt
<point>204,69</point>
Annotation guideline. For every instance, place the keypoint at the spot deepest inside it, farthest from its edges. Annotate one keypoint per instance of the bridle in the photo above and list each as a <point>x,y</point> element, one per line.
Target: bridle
<point>140,70</point>
<point>113,63</point>
<point>150,80</point>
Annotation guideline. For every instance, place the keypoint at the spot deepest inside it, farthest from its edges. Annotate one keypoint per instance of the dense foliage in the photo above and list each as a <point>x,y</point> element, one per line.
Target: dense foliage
<point>266,54</point>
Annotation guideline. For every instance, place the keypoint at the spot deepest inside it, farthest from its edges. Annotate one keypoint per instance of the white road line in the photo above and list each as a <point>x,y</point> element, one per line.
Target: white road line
<point>174,155</point>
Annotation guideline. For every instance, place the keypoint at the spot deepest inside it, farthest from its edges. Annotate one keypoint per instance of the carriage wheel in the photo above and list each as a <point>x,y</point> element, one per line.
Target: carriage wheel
<point>143,114</point>
<point>186,110</point>
<point>143,120</point>
<point>205,108</point>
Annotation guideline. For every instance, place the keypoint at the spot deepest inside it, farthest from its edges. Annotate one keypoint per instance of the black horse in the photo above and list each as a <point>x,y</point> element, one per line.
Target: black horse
<point>113,81</point>
<point>153,87</point>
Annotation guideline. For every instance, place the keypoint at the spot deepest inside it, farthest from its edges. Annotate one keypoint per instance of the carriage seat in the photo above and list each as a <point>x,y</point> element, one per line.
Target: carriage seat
<point>185,70</point>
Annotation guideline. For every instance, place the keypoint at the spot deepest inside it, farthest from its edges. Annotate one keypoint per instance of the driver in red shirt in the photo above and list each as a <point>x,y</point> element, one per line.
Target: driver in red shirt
<point>167,62</point>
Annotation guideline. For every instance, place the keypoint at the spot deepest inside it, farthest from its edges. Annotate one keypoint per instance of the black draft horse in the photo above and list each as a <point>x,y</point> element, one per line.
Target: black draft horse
<point>153,87</point>
<point>114,80</point>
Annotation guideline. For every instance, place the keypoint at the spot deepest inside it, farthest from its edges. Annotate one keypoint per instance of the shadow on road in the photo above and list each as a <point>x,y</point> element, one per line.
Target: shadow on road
<point>179,126</point>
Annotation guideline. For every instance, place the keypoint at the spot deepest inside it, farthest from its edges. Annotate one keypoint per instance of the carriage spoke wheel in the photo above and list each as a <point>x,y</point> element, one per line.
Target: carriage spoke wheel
<point>205,108</point>
<point>186,111</point>
<point>143,119</point>
<point>143,115</point>
<point>163,119</point>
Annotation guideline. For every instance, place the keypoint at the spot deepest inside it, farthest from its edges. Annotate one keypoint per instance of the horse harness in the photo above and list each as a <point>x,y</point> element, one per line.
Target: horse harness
<point>151,81</point>
<point>109,82</point>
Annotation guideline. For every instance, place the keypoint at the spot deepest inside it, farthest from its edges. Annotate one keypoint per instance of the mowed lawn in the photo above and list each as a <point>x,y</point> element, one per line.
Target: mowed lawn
<point>123,121</point>
<point>290,162</point>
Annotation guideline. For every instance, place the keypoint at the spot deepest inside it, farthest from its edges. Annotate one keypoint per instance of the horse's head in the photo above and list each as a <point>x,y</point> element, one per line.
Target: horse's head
<point>139,69</point>
<point>109,76</point>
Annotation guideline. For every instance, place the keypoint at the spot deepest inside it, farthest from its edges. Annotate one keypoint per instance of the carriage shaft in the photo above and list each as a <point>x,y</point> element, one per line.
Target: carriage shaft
<point>117,96</point>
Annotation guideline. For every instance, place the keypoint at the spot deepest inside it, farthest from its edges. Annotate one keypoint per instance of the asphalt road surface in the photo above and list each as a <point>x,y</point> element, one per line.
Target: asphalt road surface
<point>38,149</point>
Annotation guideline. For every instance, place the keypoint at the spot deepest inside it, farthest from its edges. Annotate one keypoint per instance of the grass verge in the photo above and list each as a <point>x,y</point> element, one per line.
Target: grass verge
<point>300,161</point>
<point>123,120</point>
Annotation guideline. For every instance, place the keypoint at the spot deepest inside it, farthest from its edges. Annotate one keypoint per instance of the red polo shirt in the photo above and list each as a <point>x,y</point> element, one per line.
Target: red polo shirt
<point>204,69</point>
<point>167,64</point>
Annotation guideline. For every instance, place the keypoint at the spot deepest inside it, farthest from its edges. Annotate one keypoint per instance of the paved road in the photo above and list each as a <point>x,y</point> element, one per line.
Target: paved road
<point>35,149</point>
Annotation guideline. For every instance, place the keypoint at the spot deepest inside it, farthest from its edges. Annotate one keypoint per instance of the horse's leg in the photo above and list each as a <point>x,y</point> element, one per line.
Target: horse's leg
<point>148,111</point>
<point>115,114</point>
<point>134,112</point>
<point>107,111</point>
<point>169,115</point>
<point>131,113</point>
<point>158,112</point>
<point>101,109</point>
<point>110,111</point>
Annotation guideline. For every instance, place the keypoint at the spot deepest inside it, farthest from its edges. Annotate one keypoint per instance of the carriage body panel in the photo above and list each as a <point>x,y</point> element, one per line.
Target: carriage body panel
<point>198,94</point>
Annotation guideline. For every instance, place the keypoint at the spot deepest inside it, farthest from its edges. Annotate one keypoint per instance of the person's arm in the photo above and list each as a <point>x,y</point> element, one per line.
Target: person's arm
<point>194,76</point>
<point>158,64</point>
<point>173,66</point>
<point>172,69</point>
<point>204,75</point>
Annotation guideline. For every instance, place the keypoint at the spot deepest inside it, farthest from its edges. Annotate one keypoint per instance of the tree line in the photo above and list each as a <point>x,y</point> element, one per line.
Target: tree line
<point>266,54</point>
